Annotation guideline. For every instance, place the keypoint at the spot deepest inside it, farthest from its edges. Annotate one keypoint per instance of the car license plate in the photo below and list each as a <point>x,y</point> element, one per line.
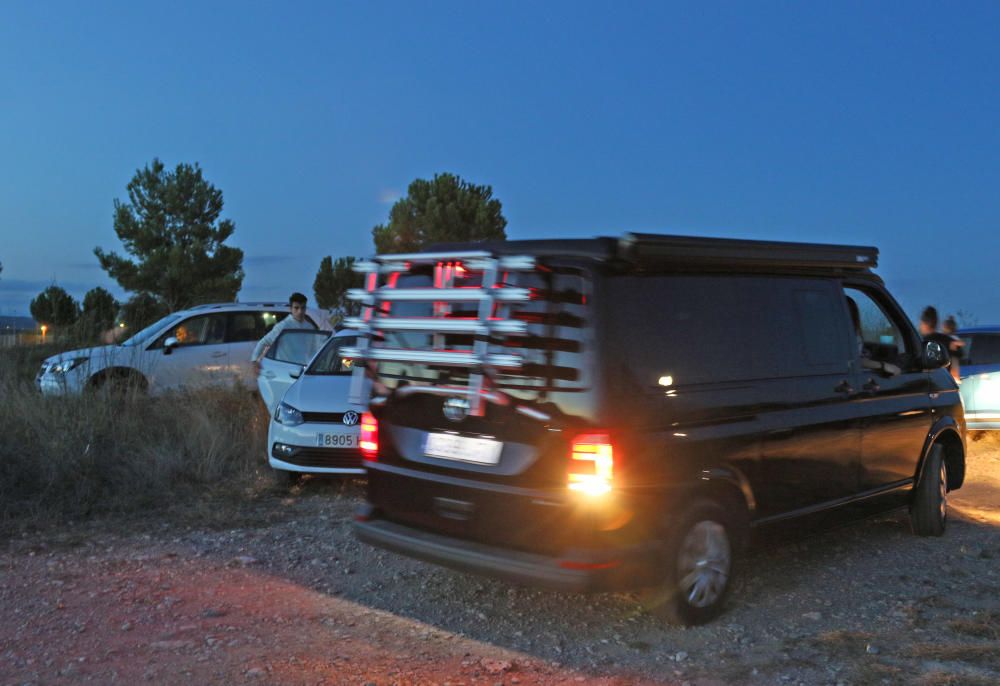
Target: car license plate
<point>463,448</point>
<point>325,440</point>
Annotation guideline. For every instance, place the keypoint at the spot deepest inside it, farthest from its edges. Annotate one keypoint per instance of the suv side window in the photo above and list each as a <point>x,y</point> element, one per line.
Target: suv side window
<point>880,338</point>
<point>244,326</point>
<point>267,320</point>
<point>205,329</point>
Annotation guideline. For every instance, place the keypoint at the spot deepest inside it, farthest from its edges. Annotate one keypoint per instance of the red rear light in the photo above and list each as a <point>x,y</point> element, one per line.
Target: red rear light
<point>591,464</point>
<point>369,437</point>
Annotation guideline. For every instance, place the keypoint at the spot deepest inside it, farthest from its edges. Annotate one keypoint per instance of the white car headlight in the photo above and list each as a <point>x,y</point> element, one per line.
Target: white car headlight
<point>64,366</point>
<point>287,415</point>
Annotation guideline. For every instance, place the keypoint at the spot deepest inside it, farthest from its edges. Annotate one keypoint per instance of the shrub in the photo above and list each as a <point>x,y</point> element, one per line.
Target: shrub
<point>73,457</point>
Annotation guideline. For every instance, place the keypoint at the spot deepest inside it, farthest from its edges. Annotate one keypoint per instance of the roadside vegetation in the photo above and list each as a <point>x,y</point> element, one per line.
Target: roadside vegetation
<point>67,459</point>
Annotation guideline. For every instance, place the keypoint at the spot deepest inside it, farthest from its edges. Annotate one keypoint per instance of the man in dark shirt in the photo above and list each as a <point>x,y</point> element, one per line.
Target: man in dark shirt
<point>929,330</point>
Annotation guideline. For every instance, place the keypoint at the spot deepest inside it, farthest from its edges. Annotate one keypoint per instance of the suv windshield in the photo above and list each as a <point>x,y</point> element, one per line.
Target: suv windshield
<point>140,337</point>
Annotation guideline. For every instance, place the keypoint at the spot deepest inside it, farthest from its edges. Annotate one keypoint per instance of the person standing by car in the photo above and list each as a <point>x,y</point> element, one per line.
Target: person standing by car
<point>956,347</point>
<point>297,303</point>
<point>929,330</point>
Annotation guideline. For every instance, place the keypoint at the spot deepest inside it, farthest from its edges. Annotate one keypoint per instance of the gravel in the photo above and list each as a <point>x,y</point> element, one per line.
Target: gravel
<point>291,597</point>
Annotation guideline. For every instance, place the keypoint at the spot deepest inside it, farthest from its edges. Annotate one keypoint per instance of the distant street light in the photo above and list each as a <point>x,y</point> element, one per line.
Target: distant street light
<point>45,328</point>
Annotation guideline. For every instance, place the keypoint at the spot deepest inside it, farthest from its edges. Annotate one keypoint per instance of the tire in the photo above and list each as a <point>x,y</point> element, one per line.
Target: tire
<point>119,385</point>
<point>291,477</point>
<point>929,509</point>
<point>698,564</point>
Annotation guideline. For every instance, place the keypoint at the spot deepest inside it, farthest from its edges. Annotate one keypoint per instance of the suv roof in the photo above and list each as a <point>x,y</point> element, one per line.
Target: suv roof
<point>235,305</point>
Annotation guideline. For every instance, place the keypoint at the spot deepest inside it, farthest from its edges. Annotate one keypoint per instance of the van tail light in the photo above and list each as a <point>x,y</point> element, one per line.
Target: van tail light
<point>591,464</point>
<point>369,437</point>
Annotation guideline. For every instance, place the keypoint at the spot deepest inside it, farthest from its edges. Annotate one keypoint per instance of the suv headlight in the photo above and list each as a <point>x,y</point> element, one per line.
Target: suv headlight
<point>64,366</point>
<point>287,415</point>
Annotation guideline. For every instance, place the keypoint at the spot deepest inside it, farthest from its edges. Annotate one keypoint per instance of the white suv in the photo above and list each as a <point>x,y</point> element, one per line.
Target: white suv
<point>200,346</point>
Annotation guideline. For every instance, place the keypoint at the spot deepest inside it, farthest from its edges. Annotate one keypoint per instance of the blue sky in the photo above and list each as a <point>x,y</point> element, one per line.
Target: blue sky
<point>869,123</point>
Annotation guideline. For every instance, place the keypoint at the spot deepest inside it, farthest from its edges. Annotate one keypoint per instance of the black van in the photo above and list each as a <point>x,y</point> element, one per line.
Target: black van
<point>626,413</point>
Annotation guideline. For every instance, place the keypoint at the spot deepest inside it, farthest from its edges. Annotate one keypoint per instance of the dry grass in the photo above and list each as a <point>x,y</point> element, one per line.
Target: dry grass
<point>979,654</point>
<point>77,457</point>
<point>939,678</point>
<point>983,625</point>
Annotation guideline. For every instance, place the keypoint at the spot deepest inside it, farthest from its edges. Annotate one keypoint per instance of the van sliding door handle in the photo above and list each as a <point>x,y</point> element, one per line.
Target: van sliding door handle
<point>843,387</point>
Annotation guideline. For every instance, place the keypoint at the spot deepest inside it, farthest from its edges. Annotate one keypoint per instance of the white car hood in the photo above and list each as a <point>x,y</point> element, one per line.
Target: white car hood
<point>319,393</point>
<point>101,352</point>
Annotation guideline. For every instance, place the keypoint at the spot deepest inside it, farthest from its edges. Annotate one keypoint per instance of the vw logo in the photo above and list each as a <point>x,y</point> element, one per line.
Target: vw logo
<point>351,418</point>
<point>456,409</point>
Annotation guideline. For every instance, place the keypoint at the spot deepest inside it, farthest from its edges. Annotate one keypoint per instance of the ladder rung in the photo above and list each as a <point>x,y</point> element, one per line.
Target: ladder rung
<point>448,359</point>
<point>477,327</point>
<point>475,261</point>
<point>438,295</point>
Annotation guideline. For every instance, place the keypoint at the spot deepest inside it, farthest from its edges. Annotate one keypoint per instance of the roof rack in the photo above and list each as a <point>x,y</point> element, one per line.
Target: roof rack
<point>217,306</point>
<point>647,249</point>
<point>491,293</point>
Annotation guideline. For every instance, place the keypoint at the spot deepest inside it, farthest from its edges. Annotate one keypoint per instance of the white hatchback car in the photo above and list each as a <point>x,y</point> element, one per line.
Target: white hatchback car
<point>189,349</point>
<point>305,384</point>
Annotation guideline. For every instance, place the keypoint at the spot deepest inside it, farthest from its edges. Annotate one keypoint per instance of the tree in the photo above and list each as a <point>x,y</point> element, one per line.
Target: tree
<point>140,311</point>
<point>99,312</point>
<point>55,307</point>
<point>171,227</point>
<point>331,284</point>
<point>445,209</point>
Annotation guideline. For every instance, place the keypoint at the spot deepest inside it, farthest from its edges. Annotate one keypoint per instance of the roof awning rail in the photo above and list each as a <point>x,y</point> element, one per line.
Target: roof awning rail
<point>658,250</point>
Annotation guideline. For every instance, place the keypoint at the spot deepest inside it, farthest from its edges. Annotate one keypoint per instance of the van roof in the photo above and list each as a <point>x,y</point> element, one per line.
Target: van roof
<point>646,250</point>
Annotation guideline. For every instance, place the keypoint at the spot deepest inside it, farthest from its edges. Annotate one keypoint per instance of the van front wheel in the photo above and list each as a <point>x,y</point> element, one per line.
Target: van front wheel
<point>697,566</point>
<point>929,509</point>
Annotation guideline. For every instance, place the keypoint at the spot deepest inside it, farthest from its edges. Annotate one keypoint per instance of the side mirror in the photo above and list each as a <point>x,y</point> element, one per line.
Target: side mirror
<point>169,345</point>
<point>934,356</point>
<point>296,373</point>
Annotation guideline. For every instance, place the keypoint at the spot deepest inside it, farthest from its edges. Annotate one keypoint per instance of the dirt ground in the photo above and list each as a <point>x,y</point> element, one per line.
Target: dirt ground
<point>289,597</point>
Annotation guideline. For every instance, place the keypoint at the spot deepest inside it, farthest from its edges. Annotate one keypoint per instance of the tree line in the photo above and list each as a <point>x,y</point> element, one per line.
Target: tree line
<point>176,256</point>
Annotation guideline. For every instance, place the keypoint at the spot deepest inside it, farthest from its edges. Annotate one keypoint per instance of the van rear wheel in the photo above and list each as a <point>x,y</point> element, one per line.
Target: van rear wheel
<point>697,567</point>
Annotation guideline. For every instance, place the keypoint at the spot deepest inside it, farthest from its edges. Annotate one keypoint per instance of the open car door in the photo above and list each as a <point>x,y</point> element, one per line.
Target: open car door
<point>284,361</point>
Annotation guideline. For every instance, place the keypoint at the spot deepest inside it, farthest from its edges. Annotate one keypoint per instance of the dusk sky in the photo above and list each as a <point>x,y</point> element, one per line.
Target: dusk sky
<point>863,123</point>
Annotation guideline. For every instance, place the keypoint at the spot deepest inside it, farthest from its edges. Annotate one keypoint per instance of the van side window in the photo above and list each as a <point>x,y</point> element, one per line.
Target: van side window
<point>678,330</point>
<point>819,322</point>
<point>716,328</point>
<point>881,338</point>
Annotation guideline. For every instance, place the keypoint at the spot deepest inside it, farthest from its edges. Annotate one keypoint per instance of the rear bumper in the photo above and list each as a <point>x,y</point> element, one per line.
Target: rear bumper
<point>574,572</point>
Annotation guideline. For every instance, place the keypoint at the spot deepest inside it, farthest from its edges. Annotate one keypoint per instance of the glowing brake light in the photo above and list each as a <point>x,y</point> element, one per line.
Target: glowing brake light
<point>369,437</point>
<point>591,464</point>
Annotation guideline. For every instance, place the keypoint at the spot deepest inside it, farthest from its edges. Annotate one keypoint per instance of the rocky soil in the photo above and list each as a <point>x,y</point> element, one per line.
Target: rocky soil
<point>287,596</point>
